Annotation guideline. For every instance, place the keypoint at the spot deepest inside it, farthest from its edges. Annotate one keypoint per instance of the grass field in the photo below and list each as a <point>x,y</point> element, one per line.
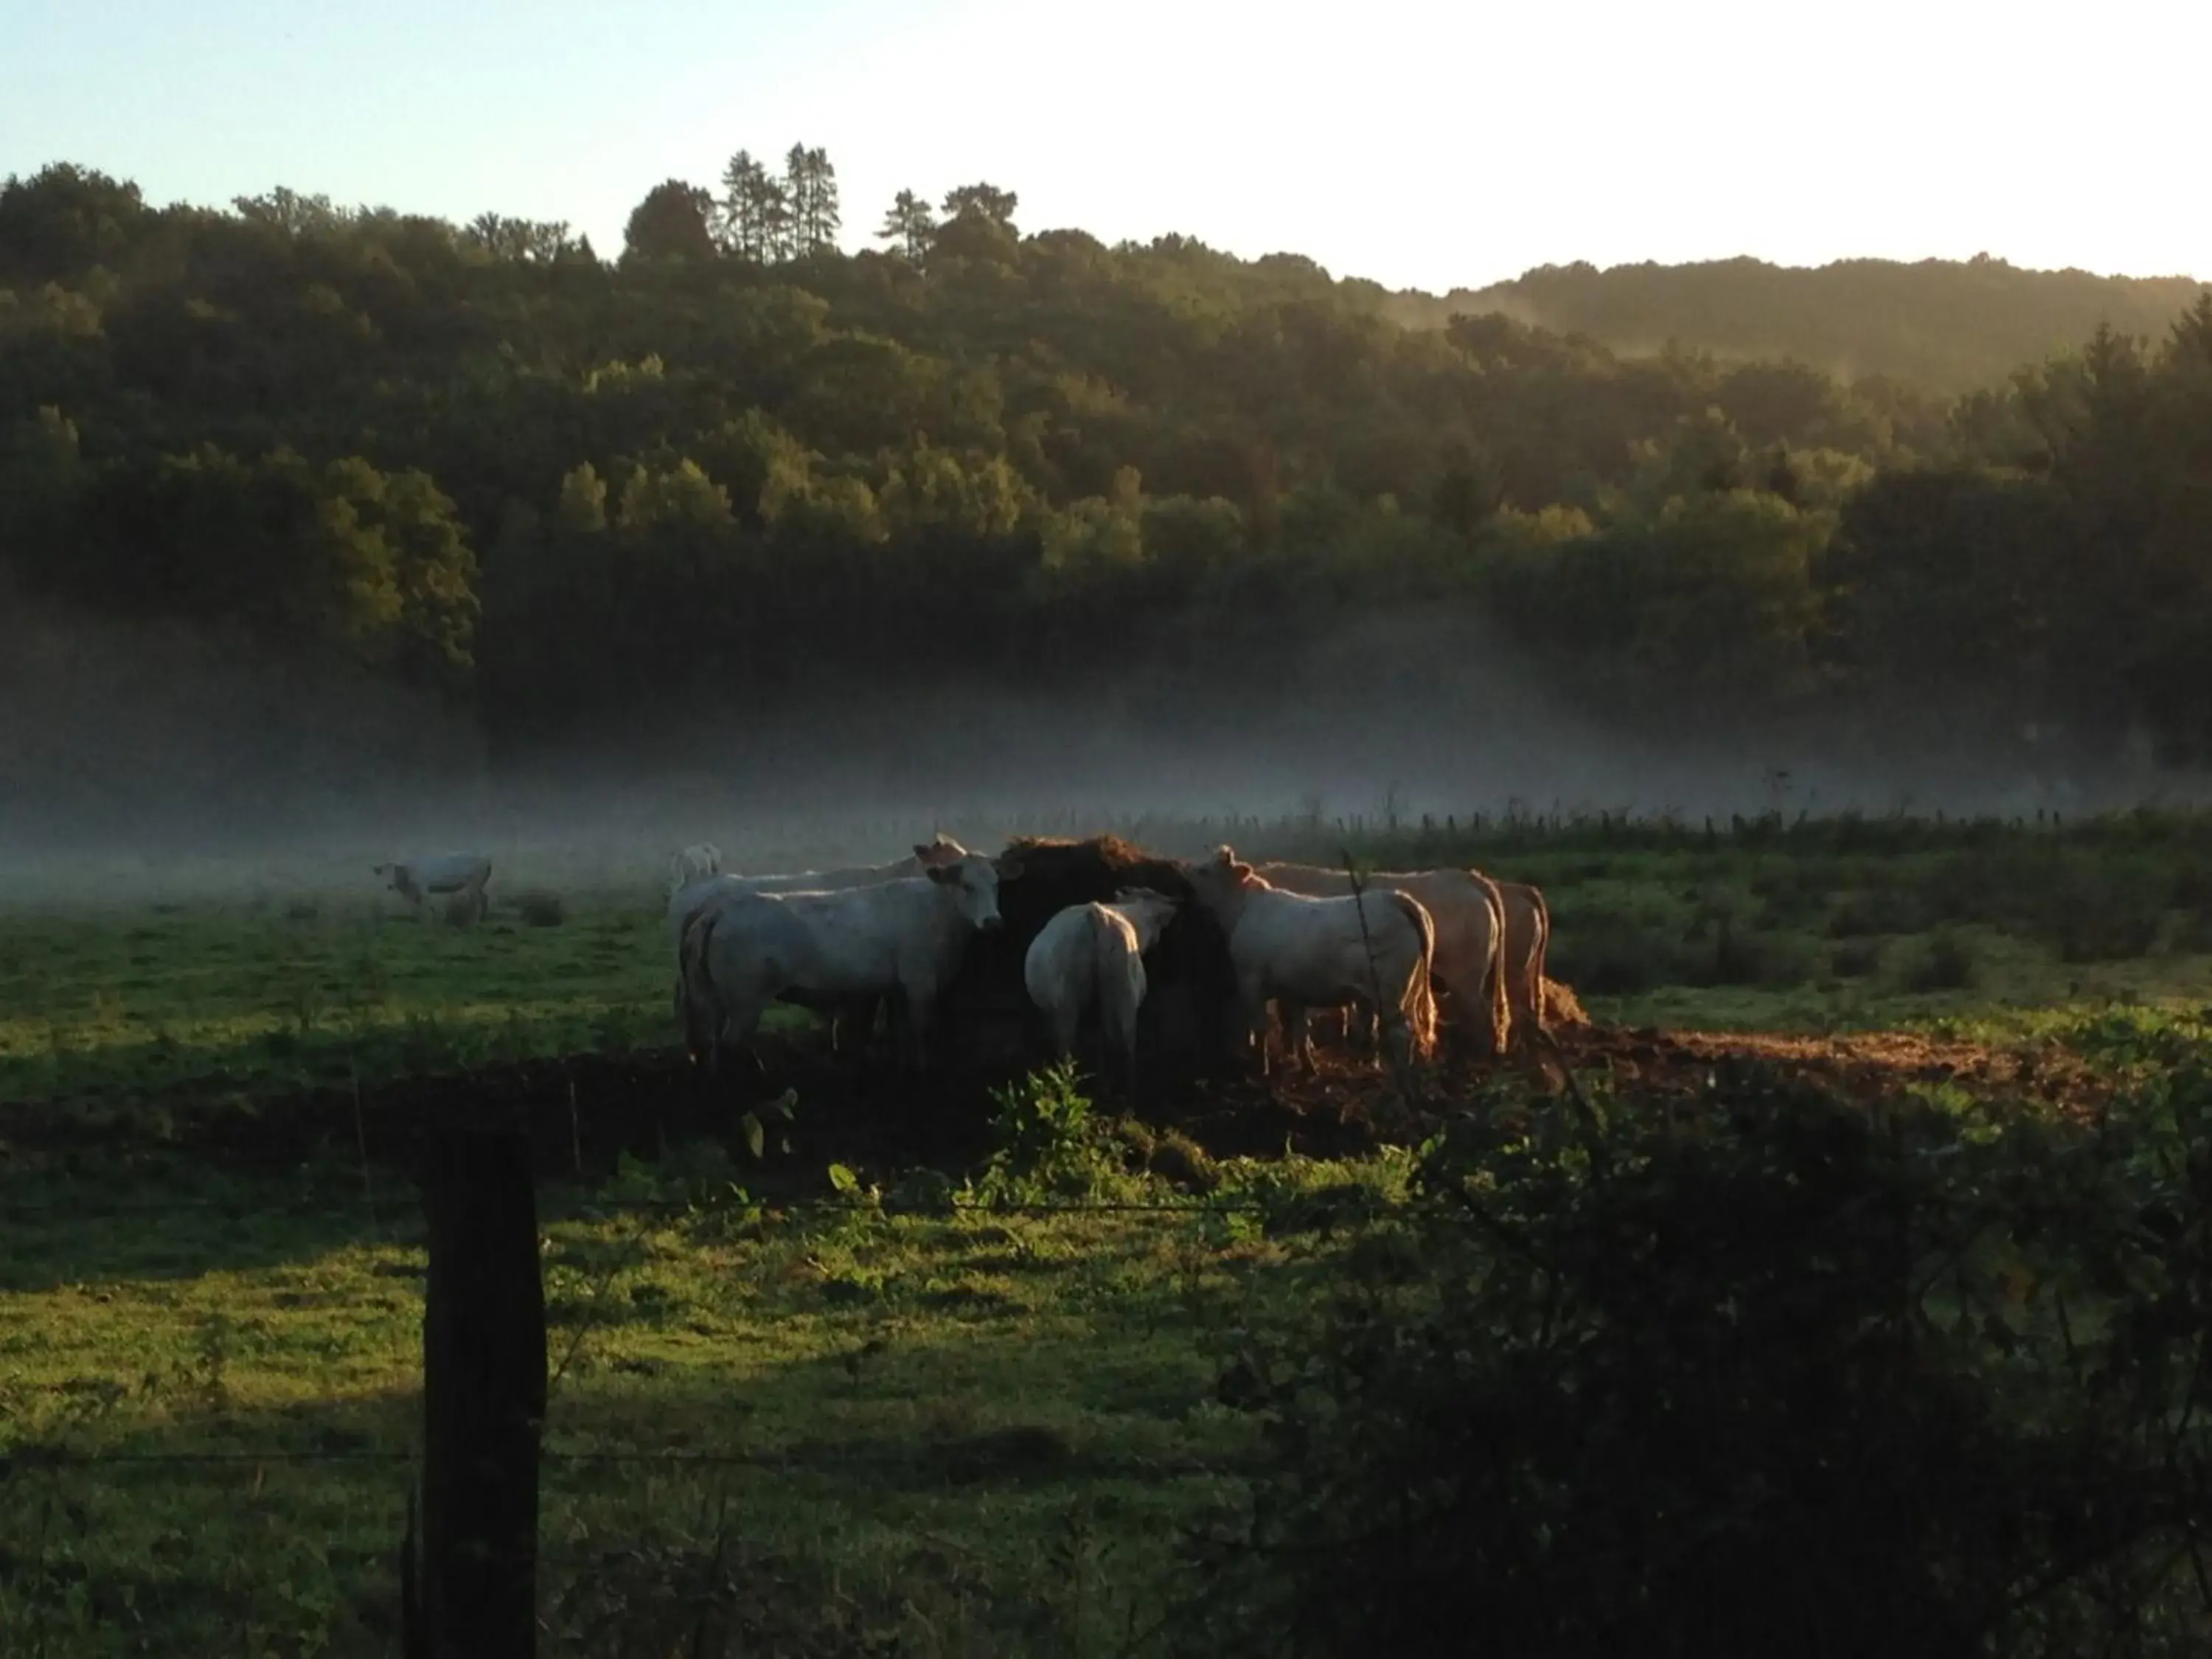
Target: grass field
<point>968,1433</point>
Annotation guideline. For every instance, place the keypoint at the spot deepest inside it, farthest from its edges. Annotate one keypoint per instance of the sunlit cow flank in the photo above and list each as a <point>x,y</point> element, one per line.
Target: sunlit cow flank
<point>743,951</point>
<point>1528,944</point>
<point>1303,952</point>
<point>1088,961</point>
<point>696,862</point>
<point>844,1014</point>
<point>450,872</point>
<point>1473,932</point>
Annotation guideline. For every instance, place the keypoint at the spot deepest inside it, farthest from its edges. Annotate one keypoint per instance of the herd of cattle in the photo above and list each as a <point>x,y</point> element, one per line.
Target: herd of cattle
<point>849,942</point>
<point>1297,937</point>
<point>892,936</point>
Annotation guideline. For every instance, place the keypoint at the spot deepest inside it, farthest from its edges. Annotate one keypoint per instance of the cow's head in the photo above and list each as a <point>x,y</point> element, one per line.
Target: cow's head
<point>939,852</point>
<point>973,880</point>
<point>1160,907</point>
<point>1220,879</point>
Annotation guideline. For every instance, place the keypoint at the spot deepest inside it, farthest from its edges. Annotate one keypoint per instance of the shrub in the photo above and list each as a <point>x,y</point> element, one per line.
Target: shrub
<point>1605,957</point>
<point>1050,1147</point>
<point>1855,959</point>
<point>1945,963</point>
<point>540,909</point>
<point>1643,1390</point>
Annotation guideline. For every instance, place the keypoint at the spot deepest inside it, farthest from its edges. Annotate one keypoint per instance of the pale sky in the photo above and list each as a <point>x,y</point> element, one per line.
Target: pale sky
<point>1423,145</point>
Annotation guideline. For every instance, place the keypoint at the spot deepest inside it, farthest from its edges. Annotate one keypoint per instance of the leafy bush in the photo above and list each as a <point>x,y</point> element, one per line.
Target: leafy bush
<point>1800,1380</point>
<point>1050,1148</point>
<point>1854,959</point>
<point>1601,956</point>
<point>1945,963</point>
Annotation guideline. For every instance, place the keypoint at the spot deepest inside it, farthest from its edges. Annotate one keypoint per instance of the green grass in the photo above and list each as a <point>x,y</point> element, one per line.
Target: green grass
<point>973,1434</point>
<point>160,998</point>
<point>896,1396</point>
<point>1826,925</point>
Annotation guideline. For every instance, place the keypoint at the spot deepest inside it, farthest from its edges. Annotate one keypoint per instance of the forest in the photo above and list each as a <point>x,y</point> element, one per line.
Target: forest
<point>730,464</point>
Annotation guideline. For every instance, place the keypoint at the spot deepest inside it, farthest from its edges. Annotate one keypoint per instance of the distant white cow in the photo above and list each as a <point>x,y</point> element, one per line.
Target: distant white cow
<point>696,862</point>
<point>842,1012</point>
<point>1321,952</point>
<point>1472,931</point>
<point>905,938</point>
<point>449,873</point>
<point>1089,959</point>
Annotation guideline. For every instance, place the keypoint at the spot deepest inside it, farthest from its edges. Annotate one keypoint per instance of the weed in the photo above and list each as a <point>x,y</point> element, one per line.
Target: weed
<point>1050,1147</point>
<point>1945,963</point>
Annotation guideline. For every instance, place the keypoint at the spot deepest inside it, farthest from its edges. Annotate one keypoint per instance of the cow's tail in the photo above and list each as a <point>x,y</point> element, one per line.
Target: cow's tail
<point>1496,989</point>
<point>1540,953</point>
<point>1419,1001</point>
<point>1117,974</point>
<point>697,1007</point>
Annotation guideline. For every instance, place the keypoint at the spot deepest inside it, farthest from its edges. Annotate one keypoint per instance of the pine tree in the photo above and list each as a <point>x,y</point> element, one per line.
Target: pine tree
<point>739,221</point>
<point>909,224</point>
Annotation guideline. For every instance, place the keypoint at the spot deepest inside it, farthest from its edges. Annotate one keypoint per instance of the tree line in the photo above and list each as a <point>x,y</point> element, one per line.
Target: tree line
<point>736,462</point>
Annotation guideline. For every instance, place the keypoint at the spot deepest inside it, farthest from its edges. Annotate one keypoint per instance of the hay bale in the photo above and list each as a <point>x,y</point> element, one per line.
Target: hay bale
<point>1561,1005</point>
<point>1190,987</point>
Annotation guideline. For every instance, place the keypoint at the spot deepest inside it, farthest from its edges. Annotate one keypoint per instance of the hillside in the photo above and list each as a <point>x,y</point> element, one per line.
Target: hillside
<point>1943,325</point>
<point>737,468</point>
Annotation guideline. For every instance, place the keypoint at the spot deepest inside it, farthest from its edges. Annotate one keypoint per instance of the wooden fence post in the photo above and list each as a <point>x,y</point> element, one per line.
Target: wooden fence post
<point>483,1400</point>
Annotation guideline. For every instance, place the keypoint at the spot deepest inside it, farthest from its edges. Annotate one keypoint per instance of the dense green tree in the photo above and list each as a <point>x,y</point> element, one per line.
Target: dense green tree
<point>64,220</point>
<point>719,468</point>
<point>985,201</point>
<point>672,222</point>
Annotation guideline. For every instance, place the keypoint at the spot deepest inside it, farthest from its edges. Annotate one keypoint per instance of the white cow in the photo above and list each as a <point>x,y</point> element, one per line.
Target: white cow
<point>696,862</point>
<point>687,900</point>
<point>1321,952</point>
<point>906,937</point>
<point>1527,943</point>
<point>689,897</point>
<point>1090,957</point>
<point>1472,926</point>
<point>449,873</point>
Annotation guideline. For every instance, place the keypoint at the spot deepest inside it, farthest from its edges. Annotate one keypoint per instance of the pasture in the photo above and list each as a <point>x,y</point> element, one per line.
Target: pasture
<point>797,1386</point>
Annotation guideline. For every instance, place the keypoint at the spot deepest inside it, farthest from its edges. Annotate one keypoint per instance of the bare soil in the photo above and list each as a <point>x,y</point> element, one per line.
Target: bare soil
<point>582,1113</point>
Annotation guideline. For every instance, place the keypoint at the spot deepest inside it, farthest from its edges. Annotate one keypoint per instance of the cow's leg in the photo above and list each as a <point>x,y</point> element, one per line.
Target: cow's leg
<point>920,1004</point>
<point>1252,1017</point>
<point>1067,1026</point>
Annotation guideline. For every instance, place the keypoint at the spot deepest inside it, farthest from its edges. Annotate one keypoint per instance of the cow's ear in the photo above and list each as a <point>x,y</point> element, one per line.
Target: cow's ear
<point>1010,869</point>
<point>943,876</point>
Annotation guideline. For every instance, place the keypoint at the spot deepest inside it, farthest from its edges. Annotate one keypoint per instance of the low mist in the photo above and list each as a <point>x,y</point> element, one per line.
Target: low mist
<point>147,757</point>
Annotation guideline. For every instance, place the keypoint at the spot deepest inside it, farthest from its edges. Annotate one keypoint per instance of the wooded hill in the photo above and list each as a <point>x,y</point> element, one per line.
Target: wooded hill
<point>736,463</point>
<point>1943,326</point>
